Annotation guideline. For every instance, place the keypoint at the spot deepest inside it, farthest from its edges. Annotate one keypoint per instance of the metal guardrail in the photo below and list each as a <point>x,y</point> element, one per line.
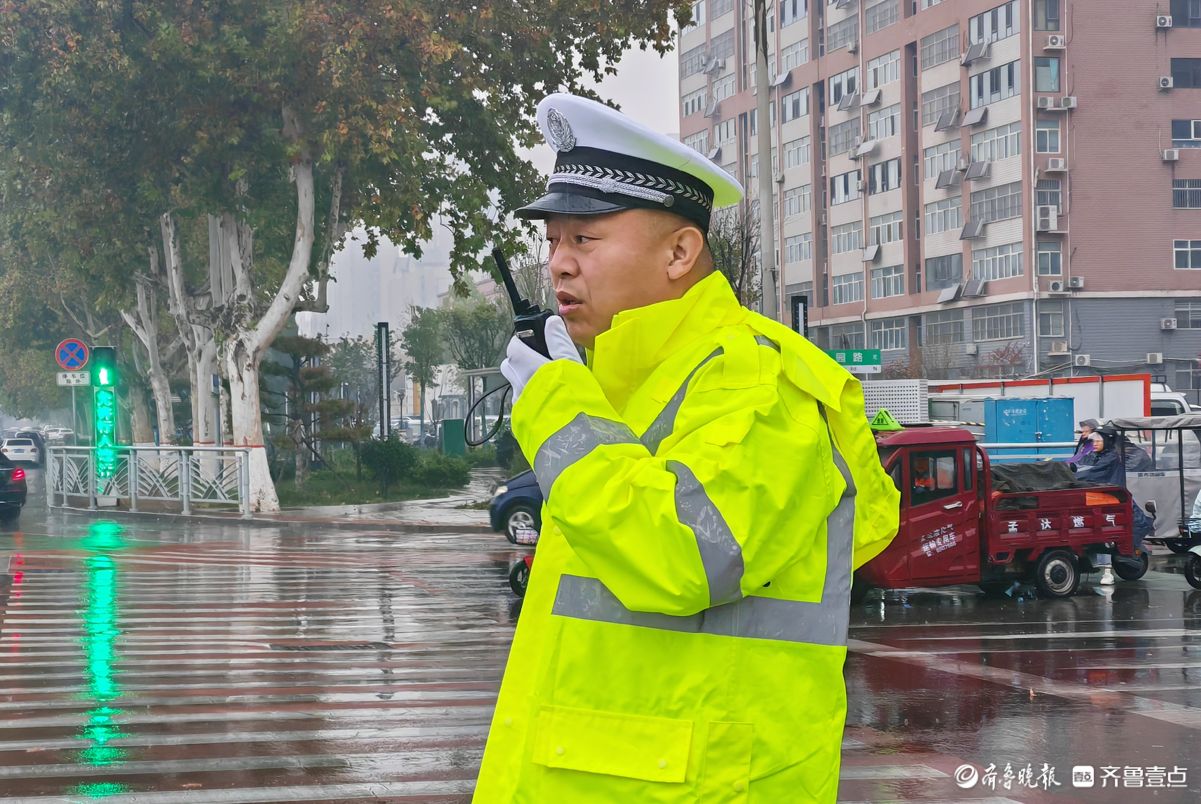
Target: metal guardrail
<point>184,475</point>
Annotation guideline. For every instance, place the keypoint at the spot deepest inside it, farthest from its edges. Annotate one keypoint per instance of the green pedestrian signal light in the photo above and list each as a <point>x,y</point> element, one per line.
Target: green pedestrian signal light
<point>104,366</point>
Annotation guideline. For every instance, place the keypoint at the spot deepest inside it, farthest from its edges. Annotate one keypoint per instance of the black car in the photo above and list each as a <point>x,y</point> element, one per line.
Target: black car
<point>12,489</point>
<point>516,504</point>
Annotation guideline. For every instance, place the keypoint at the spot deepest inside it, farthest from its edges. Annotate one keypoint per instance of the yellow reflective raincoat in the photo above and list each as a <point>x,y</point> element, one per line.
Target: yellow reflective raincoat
<point>710,481</point>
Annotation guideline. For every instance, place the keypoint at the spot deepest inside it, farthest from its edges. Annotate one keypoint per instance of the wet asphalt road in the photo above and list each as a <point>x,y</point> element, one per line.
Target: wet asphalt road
<point>156,660</point>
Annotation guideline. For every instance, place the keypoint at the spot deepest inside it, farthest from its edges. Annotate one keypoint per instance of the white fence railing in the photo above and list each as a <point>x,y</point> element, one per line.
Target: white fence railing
<point>208,476</point>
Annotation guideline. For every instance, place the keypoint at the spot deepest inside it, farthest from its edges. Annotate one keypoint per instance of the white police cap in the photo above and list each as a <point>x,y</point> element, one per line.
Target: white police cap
<point>607,162</point>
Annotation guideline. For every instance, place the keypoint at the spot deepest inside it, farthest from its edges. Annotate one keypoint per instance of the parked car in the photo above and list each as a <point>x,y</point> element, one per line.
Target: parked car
<point>39,443</point>
<point>516,509</point>
<point>12,489</point>
<point>20,449</point>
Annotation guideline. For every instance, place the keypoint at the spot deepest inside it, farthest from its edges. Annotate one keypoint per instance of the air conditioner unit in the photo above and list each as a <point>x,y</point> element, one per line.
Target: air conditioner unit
<point>1171,155</point>
<point>1047,103</point>
<point>1166,82</point>
<point>1057,165</point>
<point>779,178</point>
<point>1155,358</point>
<point>1163,21</point>
<point>1058,348</point>
<point>821,219</point>
<point>1082,360</point>
<point>964,164</point>
<point>1047,218</point>
<point>861,185</point>
<point>971,349</point>
<point>1056,42</point>
<point>1076,283</point>
<point>1167,323</point>
<point>1056,286</point>
<point>853,47</point>
<point>1067,102</point>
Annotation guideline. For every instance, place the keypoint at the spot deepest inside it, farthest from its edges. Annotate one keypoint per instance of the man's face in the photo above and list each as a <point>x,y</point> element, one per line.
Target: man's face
<point>601,265</point>
<point>1086,429</point>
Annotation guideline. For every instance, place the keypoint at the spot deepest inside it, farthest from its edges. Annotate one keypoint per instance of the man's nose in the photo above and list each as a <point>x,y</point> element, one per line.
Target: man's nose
<point>562,263</point>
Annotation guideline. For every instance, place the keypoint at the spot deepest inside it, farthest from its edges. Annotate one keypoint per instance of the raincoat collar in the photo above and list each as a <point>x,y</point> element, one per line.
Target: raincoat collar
<point>641,339</point>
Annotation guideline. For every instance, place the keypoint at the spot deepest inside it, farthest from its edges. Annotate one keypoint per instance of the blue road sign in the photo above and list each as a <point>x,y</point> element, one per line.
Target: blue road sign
<point>71,354</point>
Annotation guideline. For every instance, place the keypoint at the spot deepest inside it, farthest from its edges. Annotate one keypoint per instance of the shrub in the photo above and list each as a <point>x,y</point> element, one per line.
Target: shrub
<point>442,471</point>
<point>388,461</point>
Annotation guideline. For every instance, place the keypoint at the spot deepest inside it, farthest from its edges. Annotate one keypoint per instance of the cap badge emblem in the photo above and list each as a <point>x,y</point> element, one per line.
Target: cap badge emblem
<point>558,131</point>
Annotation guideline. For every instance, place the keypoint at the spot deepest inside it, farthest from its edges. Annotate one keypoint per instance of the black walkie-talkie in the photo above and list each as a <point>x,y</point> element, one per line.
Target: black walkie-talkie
<point>529,322</point>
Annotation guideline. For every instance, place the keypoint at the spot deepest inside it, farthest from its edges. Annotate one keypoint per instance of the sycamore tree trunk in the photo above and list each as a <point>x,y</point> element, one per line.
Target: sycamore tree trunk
<point>139,417</point>
<point>243,349</point>
<point>145,326</point>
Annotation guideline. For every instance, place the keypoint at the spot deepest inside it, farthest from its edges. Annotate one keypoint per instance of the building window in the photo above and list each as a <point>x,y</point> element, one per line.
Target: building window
<point>886,228</point>
<point>725,131</point>
<point>794,55</point>
<point>698,142</point>
<point>1049,193</point>
<point>723,88</point>
<point>845,187</point>
<point>843,84</point>
<point>794,105</point>
<point>888,281</point>
<point>939,101</point>
<point>1050,320</point>
<point>1050,258</point>
<point>846,238</point>
<point>997,143</point>
<point>842,137</point>
<point>940,46</point>
<point>1046,74</point>
<point>1186,133</point>
<point>1046,136</point>
<point>884,176</point>
<point>722,46</point>
<point>841,34</point>
<point>693,102</point>
<point>944,216</point>
<point>698,16</point>
<point>1188,314</point>
<point>884,123</point>
<point>797,201</point>
<point>796,152</point>
<point>847,288</point>
<point>994,24</point>
<point>790,11</point>
<point>889,333</point>
<point>1185,13</point>
<point>883,70</point>
<point>1001,262</point>
<point>942,272</point>
<point>1187,73</point>
<point>1188,254</point>
<point>847,336</point>
<point>994,85</point>
<point>943,328</point>
<point>998,322</point>
<point>1046,15</point>
<point>929,4</point>
<point>692,61</point>
<point>879,16</point>
<point>997,203</point>
<point>798,248</point>
<point>941,157</point>
<point>1186,193</point>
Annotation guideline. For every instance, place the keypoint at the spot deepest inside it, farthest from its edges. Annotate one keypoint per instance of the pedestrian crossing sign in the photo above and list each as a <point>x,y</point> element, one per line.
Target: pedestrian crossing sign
<point>883,420</point>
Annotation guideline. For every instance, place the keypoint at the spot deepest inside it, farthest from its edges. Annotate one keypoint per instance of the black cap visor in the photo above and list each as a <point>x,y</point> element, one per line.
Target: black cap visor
<point>567,203</point>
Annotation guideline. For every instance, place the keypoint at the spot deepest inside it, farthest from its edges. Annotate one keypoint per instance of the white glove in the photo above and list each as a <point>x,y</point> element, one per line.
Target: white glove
<point>522,361</point>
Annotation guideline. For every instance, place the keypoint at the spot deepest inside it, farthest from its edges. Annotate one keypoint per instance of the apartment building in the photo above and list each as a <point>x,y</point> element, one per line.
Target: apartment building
<point>977,188</point>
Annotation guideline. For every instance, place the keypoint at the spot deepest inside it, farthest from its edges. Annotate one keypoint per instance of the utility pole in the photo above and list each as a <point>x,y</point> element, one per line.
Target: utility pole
<point>767,224</point>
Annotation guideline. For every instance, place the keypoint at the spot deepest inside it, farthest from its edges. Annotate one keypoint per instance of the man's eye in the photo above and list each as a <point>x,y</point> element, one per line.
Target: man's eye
<point>581,239</point>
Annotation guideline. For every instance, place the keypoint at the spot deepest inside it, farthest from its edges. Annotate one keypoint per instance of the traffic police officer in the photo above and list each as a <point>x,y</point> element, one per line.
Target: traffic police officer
<point>710,483</point>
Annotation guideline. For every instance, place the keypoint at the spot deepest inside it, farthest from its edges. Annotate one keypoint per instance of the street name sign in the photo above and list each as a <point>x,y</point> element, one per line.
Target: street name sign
<point>858,361</point>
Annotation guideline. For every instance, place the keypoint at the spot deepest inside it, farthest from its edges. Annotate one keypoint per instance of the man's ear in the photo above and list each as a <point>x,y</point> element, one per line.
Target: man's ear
<point>687,246</point>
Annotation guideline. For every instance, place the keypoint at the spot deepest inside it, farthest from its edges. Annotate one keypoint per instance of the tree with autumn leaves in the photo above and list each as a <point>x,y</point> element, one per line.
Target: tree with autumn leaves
<point>212,155</point>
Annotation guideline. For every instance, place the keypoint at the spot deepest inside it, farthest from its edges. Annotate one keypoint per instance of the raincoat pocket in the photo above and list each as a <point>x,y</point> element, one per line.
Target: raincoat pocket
<point>653,749</point>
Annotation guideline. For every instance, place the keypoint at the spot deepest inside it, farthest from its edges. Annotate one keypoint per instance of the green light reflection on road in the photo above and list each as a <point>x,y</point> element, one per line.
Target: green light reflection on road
<point>100,632</point>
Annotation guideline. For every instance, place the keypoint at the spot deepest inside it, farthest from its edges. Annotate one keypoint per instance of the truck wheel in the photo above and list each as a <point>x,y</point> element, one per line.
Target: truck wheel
<point>1131,569</point>
<point>1192,571</point>
<point>519,578</point>
<point>1057,574</point>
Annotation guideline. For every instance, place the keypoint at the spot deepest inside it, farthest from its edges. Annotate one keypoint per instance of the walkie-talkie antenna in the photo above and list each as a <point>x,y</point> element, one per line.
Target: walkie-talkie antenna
<point>520,305</point>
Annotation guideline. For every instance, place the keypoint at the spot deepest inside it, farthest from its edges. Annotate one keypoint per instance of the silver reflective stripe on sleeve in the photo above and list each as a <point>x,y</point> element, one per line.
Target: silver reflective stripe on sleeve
<point>665,422</point>
<point>822,623</point>
<point>578,437</point>
<point>720,552</point>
